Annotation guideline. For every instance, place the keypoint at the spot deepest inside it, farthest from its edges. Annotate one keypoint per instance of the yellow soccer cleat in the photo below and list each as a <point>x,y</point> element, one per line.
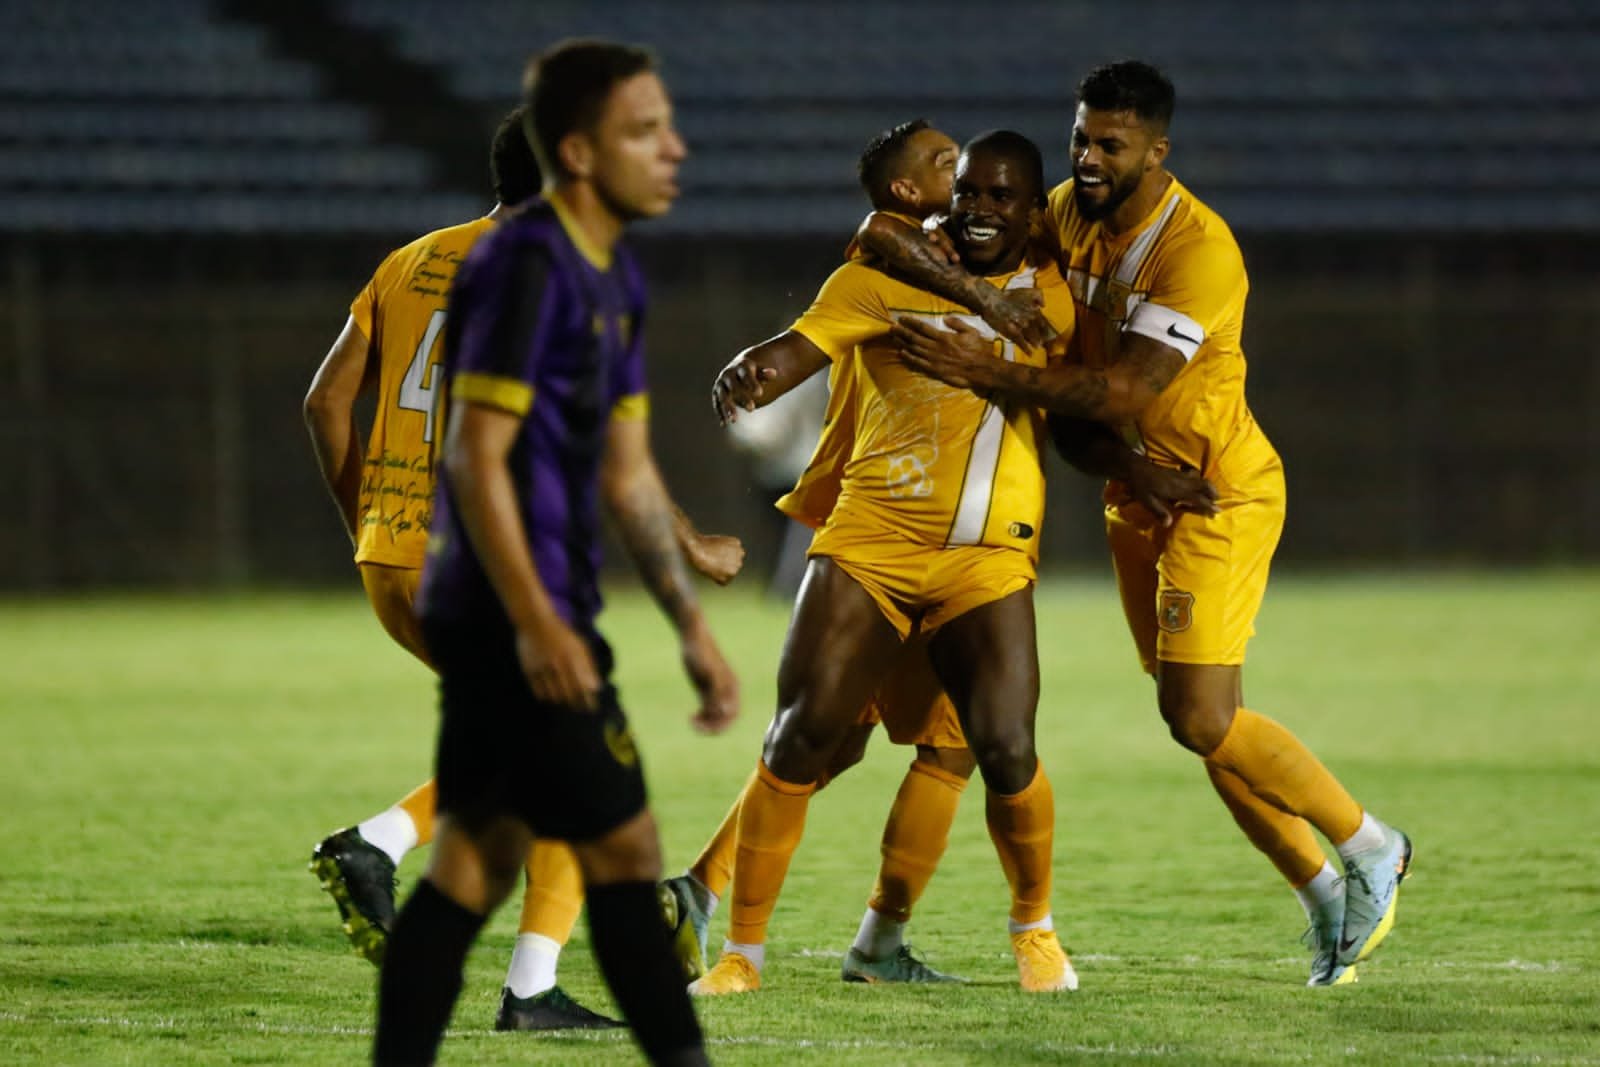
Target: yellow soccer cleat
<point>1042,963</point>
<point>732,973</point>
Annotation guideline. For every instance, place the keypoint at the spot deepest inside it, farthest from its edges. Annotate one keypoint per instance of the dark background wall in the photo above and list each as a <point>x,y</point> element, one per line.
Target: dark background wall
<point>1434,399</point>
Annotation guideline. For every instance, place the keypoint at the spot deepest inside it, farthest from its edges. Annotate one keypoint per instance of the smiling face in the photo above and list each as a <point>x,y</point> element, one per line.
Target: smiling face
<point>1113,153</point>
<point>930,168</point>
<point>992,210</point>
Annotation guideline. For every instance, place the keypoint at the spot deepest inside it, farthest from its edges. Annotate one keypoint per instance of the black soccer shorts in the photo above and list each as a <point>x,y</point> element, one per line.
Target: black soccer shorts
<point>569,774</point>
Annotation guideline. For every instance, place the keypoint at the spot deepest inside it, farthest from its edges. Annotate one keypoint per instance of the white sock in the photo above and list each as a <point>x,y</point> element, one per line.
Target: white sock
<point>1370,834</point>
<point>393,831</point>
<point>1046,923</point>
<point>705,898</point>
<point>533,965</point>
<point>1325,889</point>
<point>756,954</point>
<point>880,936</point>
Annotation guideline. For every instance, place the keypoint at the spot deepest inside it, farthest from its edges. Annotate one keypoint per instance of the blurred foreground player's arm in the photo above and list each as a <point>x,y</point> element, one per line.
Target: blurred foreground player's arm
<point>648,520</point>
<point>346,372</point>
<point>478,440</point>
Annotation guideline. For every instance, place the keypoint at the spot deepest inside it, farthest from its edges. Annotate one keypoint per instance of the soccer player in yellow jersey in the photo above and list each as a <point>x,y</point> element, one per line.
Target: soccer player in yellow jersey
<point>390,345</point>
<point>907,170</point>
<point>935,532</point>
<point>1159,285</point>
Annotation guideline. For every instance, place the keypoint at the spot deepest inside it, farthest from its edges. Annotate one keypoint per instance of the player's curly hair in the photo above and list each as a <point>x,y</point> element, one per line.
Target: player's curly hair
<point>565,89</point>
<point>513,170</point>
<point>881,160</point>
<point>1130,85</point>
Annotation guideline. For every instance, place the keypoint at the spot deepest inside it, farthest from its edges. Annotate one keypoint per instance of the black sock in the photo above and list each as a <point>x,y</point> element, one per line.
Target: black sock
<point>421,976</point>
<point>635,954</point>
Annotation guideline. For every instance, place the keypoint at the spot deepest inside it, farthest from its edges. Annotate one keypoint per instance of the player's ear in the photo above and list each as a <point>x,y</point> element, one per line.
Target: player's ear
<point>905,191</point>
<point>577,154</point>
<point>1157,153</point>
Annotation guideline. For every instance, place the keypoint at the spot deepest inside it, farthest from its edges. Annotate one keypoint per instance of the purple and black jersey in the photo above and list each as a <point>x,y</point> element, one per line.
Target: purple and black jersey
<point>542,327</point>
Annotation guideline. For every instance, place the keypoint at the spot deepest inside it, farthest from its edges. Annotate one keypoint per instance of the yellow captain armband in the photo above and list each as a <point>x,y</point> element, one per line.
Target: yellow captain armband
<point>507,394</point>
<point>633,406</point>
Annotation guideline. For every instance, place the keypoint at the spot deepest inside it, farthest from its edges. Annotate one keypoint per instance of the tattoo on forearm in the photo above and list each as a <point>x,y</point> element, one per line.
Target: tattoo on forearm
<point>1079,392</point>
<point>910,254</point>
<point>648,526</point>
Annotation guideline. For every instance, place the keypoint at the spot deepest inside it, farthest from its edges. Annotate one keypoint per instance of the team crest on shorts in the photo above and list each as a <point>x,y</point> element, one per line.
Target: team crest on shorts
<point>620,741</point>
<point>1176,610</point>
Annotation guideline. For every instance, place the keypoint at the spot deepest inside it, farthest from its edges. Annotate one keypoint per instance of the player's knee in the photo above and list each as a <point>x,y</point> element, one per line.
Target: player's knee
<point>1196,723</point>
<point>957,761</point>
<point>630,853</point>
<point>1006,757</point>
<point>797,750</point>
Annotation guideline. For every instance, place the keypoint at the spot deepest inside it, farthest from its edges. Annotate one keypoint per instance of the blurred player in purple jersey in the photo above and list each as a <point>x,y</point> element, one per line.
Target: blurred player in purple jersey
<point>547,418</point>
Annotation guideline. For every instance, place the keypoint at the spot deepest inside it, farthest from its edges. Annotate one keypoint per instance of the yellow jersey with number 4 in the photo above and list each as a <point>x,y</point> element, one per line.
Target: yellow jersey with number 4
<point>1177,277</point>
<point>401,312</point>
<point>931,463</point>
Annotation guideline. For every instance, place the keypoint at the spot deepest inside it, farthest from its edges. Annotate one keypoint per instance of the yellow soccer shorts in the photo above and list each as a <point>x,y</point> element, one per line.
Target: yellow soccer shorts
<point>1191,591</point>
<point>392,592</point>
<point>911,703</point>
<point>919,588</point>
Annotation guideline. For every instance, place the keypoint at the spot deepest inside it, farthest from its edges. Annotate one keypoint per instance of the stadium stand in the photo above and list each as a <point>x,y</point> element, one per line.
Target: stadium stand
<point>1291,118</point>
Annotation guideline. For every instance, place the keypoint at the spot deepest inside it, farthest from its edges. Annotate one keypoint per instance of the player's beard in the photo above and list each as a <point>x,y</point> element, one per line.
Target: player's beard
<point>1121,187</point>
<point>628,209</point>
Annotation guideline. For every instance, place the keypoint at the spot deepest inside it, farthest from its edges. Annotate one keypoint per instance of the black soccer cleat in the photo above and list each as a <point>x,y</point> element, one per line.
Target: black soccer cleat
<point>360,878</point>
<point>550,1010</point>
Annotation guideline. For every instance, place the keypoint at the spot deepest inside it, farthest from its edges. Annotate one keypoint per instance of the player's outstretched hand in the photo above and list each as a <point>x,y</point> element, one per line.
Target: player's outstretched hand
<point>739,386</point>
<point>558,666</point>
<point>713,679</point>
<point>719,557</point>
<point>956,356</point>
<point>1167,492</point>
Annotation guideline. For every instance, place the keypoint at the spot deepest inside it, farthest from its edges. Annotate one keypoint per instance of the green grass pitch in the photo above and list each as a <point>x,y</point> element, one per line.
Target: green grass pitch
<point>169,763</point>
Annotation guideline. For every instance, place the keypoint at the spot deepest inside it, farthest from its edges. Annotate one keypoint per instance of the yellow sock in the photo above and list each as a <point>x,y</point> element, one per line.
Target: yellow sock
<point>1284,773</point>
<point>714,866</point>
<point>915,837</point>
<point>419,805</point>
<point>1023,828</point>
<point>554,893</point>
<point>771,821</point>
<point>1285,839</point>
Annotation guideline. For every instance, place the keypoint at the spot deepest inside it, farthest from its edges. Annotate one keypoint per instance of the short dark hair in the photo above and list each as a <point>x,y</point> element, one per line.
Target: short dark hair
<point>512,168</point>
<point>565,89</point>
<point>1018,148</point>
<point>882,158</point>
<point>1130,85</point>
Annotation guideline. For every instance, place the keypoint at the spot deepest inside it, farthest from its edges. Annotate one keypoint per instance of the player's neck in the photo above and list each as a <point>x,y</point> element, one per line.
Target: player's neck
<point>1132,211</point>
<point>584,208</point>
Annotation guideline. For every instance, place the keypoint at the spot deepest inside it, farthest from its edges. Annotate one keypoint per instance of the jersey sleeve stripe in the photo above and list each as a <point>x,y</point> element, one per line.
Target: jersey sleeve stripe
<point>507,394</point>
<point>634,406</point>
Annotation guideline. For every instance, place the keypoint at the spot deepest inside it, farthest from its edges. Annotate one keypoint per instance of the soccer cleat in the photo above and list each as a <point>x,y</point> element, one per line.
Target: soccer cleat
<point>1322,938</point>
<point>1042,963</point>
<point>903,966</point>
<point>550,1010</point>
<point>360,878</point>
<point>1371,892</point>
<point>732,973</point>
<point>688,923</point>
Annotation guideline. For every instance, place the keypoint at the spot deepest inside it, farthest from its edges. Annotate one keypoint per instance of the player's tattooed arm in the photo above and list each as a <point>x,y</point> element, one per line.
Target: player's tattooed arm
<point>646,518</point>
<point>964,358</point>
<point>907,251</point>
<point>1096,449</point>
